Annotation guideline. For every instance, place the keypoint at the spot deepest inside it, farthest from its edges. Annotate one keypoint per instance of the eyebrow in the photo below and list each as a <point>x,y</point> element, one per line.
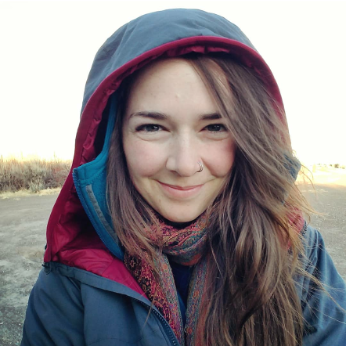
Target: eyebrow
<point>162,116</point>
<point>212,116</point>
<point>152,115</point>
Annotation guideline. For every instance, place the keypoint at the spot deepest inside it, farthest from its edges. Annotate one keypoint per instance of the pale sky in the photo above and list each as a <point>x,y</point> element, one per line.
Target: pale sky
<point>47,49</point>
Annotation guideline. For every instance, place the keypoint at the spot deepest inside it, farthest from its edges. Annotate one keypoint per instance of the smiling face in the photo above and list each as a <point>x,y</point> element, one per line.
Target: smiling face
<point>171,124</point>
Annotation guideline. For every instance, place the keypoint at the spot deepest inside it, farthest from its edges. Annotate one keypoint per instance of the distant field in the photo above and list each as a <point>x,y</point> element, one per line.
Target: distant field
<point>33,175</point>
<point>324,175</point>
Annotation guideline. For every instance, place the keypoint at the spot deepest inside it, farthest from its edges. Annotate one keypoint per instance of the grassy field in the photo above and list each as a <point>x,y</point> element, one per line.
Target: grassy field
<point>33,175</point>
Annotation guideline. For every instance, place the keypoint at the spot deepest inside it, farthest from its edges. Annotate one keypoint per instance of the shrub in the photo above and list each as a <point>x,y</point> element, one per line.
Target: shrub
<point>33,175</point>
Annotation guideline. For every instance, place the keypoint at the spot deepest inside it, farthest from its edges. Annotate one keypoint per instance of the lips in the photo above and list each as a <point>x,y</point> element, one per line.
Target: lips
<point>181,187</point>
<point>180,192</point>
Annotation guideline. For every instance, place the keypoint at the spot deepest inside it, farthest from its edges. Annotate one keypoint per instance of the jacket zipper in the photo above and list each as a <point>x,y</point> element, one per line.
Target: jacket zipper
<point>86,208</point>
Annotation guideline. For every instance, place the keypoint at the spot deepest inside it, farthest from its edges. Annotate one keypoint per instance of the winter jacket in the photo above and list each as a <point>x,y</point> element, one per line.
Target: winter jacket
<point>85,295</point>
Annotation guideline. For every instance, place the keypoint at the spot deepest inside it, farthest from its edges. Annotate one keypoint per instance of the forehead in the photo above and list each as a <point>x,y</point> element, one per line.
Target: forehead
<point>177,66</point>
<point>170,85</point>
<point>164,70</point>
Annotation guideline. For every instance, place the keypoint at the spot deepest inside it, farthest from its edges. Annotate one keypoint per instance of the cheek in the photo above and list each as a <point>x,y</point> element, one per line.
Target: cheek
<point>143,158</point>
<point>221,158</point>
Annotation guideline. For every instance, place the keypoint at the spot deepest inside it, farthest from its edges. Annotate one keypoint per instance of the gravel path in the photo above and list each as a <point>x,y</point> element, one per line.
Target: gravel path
<point>23,223</point>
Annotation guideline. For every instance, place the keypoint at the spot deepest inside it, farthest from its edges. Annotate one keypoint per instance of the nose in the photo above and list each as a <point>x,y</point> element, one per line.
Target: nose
<point>184,156</point>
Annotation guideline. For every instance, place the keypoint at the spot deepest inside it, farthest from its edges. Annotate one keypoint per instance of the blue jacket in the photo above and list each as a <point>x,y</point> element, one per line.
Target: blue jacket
<point>85,295</point>
<point>70,306</point>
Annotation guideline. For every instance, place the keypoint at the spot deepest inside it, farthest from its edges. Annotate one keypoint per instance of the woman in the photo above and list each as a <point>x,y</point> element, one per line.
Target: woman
<point>182,224</point>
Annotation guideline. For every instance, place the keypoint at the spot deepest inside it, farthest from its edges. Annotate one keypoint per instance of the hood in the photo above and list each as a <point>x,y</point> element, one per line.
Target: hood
<point>79,231</point>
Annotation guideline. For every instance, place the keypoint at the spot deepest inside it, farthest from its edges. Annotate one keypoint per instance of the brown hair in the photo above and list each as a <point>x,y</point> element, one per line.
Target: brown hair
<point>252,298</point>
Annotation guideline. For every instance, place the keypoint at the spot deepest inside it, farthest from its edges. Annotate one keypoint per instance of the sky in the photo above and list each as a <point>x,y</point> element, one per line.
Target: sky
<point>47,48</point>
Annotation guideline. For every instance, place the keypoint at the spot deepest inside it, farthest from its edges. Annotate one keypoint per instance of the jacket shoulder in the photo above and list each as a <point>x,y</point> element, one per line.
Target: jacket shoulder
<point>323,301</point>
<point>54,314</point>
<point>70,306</point>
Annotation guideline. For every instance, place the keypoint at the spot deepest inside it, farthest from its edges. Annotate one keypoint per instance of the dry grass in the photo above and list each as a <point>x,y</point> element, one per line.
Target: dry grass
<point>33,175</point>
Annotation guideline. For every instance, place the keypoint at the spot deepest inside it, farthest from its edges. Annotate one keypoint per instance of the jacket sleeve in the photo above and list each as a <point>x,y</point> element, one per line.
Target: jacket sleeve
<point>55,312</point>
<point>323,311</point>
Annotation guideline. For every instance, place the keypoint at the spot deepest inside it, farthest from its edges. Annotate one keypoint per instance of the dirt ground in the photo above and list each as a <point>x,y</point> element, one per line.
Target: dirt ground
<point>23,220</point>
<point>328,197</point>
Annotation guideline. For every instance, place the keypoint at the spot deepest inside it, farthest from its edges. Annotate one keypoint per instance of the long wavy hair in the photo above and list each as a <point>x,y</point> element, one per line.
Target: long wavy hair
<point>253,243</point>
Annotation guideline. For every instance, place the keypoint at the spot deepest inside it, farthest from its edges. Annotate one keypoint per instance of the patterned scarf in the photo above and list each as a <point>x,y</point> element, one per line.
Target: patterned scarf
<point>184,246</point>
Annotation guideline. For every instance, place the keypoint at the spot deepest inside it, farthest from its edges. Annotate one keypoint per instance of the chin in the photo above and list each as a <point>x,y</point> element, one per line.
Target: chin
<point>180,216</point>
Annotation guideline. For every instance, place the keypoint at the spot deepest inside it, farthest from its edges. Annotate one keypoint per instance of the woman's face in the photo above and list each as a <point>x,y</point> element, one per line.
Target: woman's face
<point>171,123</point>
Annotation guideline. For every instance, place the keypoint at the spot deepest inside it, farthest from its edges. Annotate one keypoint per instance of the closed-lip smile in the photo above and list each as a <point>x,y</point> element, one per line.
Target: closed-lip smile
<point>177,187</point>
<point>180,192</point>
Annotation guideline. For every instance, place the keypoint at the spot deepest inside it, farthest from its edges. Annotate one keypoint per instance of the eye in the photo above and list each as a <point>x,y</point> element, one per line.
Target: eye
<point>216,128</point>
<point>149,128</point>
